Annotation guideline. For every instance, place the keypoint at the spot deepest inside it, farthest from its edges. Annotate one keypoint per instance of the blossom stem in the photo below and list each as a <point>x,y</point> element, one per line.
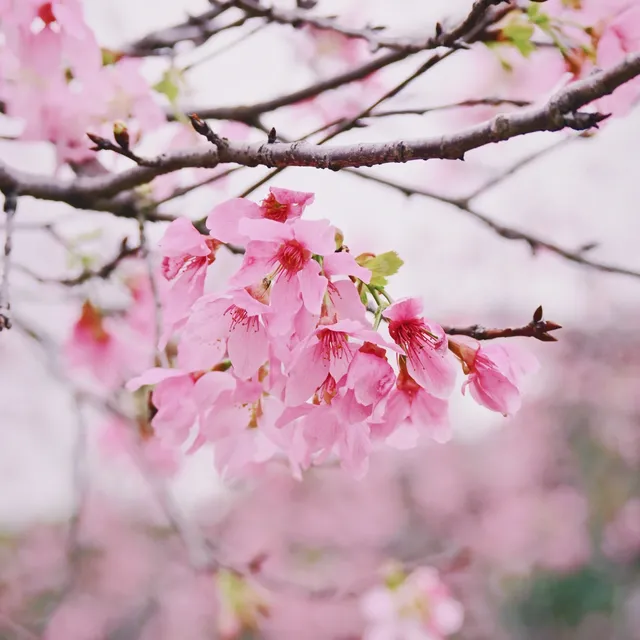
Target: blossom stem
<point>378,313</point>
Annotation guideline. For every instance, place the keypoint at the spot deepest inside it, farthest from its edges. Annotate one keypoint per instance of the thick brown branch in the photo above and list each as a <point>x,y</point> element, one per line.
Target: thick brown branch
<point>558,113</point>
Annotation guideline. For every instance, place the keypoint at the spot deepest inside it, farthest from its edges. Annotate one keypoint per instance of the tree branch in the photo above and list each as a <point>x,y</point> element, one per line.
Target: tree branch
<point>538,328</point>
<point>535,244</point>
<point>197,29</point>
<point>558,113</point>
<point>10,205</point>
<point>467,31</point>
<point>373,36</point>
<point>125,251</point>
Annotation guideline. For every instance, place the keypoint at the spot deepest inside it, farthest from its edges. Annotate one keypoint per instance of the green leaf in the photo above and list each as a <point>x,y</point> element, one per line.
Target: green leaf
<point>381,266</point>
<point>519,35</point>
<point>537,17</point>
<point>169,85</point>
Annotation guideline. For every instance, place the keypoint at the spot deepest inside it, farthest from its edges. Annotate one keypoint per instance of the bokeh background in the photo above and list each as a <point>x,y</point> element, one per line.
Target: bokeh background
<point>534,521</point>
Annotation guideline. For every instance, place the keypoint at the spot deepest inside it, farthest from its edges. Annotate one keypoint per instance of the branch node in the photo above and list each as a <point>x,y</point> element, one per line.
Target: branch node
<point>200,126</point>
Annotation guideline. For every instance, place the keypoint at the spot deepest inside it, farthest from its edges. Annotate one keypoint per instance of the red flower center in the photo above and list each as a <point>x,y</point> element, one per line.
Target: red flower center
<point>292,257</point>
<point>91,322</point>
<point>45,13</point>
<point>213,245</point>
<point>240,316</point>
<point>405,382</point>
<point>274,210</point>
<point>327,391</point>
<point>332,343</point>
<point>413,336</point>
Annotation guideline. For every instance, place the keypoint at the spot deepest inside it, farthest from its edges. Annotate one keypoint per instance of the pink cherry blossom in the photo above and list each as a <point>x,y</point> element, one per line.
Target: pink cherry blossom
<point>119,438</point>
<point>283,253</point>
<point>97,344</point>
<point>410,411</point>
<point>281,205</point>
<point>419,608</point>
<point>342,302</point>
<point>327,352</point>
<point>231,416</point>
<point>187,254</point>
<point>175,400</point>
<point>225,324</point>
<point>425,345</point>
<point>496,372</point>
<point>325,433</point>
<point>369,377</point>
<point>78,47</point>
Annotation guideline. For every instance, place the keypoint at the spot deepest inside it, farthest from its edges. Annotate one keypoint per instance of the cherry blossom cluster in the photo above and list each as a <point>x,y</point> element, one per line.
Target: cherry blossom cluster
<point>580,37</point>
<point>286,361</point>
<point>59,83</point>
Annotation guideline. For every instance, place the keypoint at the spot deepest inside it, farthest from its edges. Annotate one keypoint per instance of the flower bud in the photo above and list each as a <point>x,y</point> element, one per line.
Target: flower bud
<point>121,134</point>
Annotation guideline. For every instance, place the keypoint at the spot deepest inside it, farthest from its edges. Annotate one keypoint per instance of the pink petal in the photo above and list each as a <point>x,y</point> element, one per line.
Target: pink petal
<point>153,376</point>
<point>435,372</point>
<point>255,264</point>
<point>431,414</point>
<point>495,392</point>
<point>346,301</point>
<point>306,375</point>
<point>265,230</point>
<point>354,449</point>
<point>182,238</point>
<point>204,339</point>
<point>299,199</point>
<point>224,220</point>
<point>370,377</point>
<point>312,286</point>
<point>317,235</point>
<point>248,349</point>
<point>404,309</point>
<point>211,386</point>
<point>344,264</point>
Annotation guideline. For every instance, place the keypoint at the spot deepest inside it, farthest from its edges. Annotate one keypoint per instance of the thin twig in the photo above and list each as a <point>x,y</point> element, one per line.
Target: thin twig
<point>196,29</point>
<point>538,328</point>
<point>417,111</point>
<point>124,252</point>
<point>517,166</point>
<point>509,233</point>
<point>468,31</point>
<point>79,480</point>
<point>10,206</point>
<point>373,36</point>
<point>162,360</point>
<point>349,123</point>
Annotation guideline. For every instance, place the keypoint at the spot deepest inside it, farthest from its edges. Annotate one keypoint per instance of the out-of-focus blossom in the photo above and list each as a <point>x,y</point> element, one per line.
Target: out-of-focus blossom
<point>416,607</point>
<point>98,344</point>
